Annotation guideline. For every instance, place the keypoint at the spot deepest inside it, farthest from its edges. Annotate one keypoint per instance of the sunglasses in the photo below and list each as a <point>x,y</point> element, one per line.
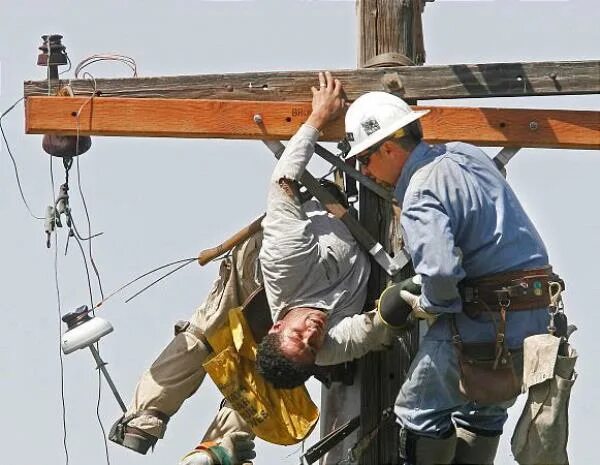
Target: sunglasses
<point>364,157</point>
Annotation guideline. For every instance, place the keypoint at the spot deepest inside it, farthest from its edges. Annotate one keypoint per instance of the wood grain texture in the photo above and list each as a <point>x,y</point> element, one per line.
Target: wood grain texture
<point>417,82</point>
<point>280,120</point>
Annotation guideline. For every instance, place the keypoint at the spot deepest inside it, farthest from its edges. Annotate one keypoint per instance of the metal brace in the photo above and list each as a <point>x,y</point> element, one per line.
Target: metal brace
<point>503,157</point>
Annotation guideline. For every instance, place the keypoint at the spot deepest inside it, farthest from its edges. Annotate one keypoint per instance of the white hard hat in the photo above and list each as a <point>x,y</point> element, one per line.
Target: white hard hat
<point>374,117</point>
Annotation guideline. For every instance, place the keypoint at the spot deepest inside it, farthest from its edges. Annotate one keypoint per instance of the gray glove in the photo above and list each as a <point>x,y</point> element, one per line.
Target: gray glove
<point>240,446</point>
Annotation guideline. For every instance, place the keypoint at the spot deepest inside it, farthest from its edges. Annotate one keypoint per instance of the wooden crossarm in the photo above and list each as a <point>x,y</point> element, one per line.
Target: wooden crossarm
<point>280,120</point>
<point>410,82</point>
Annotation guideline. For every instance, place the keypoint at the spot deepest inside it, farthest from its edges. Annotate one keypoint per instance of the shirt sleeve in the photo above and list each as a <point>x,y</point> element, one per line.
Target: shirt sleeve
<point>352,337</point>
<point>290,248</point>
<point>430,240</point>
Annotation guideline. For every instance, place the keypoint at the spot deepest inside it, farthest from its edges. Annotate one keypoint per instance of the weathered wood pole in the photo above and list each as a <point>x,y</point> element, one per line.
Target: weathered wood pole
<point>390,34</point>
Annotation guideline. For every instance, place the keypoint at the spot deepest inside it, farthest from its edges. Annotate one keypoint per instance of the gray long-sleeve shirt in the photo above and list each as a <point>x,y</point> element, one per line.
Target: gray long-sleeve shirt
<point>310,259</point>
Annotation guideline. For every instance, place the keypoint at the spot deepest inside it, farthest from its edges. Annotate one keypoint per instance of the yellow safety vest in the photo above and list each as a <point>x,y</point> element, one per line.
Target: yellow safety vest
<point>279,416</point>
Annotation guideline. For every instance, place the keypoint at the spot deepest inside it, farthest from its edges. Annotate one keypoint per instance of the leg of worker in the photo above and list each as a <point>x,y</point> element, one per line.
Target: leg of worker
<point>474,448</point>
<point>227,424</point>
<point>478,430</point>
<point>177,372</point>
<point>226,421</point>
<point>425,404</point>
<point>174,376</point>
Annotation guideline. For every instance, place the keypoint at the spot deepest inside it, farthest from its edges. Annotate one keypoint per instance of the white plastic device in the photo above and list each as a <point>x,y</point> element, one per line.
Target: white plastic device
<point>85,334</point>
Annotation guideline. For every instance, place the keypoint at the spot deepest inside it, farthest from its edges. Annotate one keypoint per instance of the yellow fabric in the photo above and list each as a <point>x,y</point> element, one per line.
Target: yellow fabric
<point>279,416</point>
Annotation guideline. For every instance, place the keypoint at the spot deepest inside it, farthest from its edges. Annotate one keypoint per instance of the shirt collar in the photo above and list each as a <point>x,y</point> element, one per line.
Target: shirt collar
<point>420,156</point>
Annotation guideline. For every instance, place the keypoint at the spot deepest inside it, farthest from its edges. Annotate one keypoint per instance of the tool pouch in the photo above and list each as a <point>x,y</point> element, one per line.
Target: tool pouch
<point>484,380</point>
<point>541,434</point>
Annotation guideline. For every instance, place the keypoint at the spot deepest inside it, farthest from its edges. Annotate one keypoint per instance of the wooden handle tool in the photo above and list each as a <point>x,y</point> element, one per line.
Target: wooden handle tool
<point>208,255</point>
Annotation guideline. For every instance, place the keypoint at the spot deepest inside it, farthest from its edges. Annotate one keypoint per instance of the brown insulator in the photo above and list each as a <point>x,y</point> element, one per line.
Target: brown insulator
<point>65,146</point>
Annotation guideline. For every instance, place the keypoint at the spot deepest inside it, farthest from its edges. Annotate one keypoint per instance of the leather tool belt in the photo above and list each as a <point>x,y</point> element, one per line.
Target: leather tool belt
<point>513,291</point>
<point>487,373</point>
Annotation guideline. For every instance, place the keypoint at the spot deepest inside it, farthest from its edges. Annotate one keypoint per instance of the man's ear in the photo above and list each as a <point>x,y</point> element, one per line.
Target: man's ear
<point>277,327</point>
<point>389,148</point>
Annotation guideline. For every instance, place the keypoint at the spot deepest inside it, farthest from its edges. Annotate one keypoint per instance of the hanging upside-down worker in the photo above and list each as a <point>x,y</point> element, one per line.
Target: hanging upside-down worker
<point>314,275</point>
<point>485,279</point>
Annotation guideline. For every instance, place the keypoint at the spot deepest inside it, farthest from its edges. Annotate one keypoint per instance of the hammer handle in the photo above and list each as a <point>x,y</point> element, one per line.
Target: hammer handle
<point>210,254</point>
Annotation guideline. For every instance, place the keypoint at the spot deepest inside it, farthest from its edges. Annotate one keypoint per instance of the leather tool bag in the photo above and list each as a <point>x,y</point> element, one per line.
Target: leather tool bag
<point>487,374</point>
<point>485,382</point>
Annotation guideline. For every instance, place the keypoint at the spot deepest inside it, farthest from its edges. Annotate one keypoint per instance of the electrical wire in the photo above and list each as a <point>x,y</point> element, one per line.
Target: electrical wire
<point>160,279</point>
<point>68,69</point>
<point>76,231</point>
<point>89,223</point>
<point>97,345</point>
<point>91,256</point>
<point>60,355</point>
<point>14,162</point>
<point>133,281</point>
<point>78,240</point>
<point>128,61</point>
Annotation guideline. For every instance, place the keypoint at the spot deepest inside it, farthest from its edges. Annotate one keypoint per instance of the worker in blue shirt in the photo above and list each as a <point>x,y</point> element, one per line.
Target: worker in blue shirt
<point>484,282</point>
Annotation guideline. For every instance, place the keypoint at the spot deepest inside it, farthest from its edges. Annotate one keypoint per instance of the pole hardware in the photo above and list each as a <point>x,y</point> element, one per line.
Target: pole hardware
<point>392,83</point>
<point>53,54</point>
<point>85,330</point>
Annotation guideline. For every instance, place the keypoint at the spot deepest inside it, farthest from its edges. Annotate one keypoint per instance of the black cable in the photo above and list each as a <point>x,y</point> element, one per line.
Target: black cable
<point>98,279</point>
<point>87,216</point>
<point>99,398</point>
<point>77,233</point>
<point>60,355</point>
<point>14,162</point>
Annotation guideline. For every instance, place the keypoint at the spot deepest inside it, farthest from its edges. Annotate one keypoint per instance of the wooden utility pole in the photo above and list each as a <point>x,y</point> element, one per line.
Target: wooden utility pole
<point>390,34</point>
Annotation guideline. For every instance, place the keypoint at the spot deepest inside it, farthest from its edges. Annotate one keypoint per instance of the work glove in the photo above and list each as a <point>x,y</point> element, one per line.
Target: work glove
<point>414,301</point>
<point>395,311</point>
<point>236,448</point>
<point>240,446</point>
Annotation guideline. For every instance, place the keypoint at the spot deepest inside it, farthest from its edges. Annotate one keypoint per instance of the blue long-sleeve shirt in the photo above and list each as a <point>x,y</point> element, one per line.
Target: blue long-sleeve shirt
<point>461,219</point>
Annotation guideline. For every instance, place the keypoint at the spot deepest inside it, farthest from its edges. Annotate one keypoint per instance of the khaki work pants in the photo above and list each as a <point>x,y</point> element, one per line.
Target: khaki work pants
<point>177,372</point>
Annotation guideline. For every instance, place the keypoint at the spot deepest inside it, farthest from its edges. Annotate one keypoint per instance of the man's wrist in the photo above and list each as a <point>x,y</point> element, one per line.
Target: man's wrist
<point>316,121</point>
<point>222,455</point>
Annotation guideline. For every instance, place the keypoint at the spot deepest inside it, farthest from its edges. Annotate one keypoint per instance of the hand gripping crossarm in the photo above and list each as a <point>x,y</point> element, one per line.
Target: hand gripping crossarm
<point>390,265</point>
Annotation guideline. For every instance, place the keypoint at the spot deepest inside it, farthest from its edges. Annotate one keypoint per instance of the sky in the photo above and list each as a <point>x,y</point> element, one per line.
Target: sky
<point>157,200</point>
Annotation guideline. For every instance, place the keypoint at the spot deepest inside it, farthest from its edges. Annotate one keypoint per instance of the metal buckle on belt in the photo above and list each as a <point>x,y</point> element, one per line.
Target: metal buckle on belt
<point>470,294</point>
<point>516,290</point>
